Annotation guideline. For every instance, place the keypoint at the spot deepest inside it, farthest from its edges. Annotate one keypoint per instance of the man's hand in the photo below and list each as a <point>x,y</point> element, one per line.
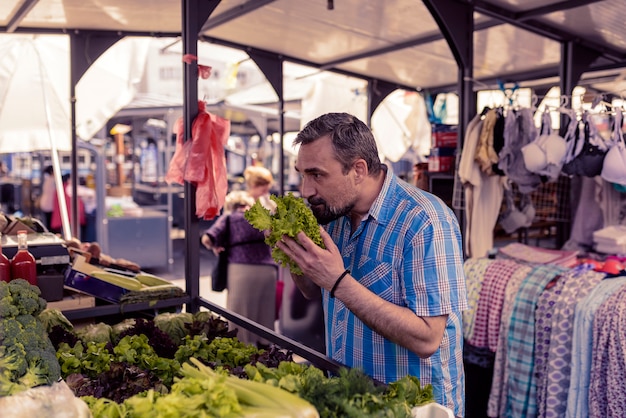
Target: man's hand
<point>322,266</point>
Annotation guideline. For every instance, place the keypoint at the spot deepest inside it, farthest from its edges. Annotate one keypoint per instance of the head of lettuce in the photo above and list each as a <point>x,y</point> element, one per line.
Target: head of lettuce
<point>291,216</point>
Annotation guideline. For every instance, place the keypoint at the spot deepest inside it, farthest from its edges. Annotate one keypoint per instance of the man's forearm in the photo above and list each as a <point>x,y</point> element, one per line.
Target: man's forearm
<point>421,335</point>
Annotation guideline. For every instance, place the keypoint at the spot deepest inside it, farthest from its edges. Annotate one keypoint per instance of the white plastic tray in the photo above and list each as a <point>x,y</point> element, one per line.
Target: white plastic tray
<point>432,410</point>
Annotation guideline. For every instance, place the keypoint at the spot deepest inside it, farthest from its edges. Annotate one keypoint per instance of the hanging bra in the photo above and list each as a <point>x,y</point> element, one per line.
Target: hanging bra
<point>546,154</point>
<point>514,218</point>
<point>588,157</point>
<point>614,165</point>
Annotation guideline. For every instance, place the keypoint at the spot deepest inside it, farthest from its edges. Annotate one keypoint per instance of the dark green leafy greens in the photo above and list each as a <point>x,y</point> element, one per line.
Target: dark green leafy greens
<point>291,216</point>
<point>120,382</point>
<point>128,378</point>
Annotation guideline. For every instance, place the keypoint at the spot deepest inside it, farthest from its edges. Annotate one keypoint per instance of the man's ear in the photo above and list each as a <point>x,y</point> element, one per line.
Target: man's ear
<point>360,170</point>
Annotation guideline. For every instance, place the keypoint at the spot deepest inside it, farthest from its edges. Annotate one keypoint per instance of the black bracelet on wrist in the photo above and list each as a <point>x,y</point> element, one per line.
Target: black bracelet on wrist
<point>344,274</point>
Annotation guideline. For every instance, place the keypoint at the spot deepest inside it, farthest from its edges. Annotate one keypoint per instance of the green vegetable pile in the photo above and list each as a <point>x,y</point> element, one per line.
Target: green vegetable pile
<point>91,357</point>
<point>27,357</point>
<point>350,394</point>
<point>136,370</point>
<point>291,216</point>
<point>203,392</point>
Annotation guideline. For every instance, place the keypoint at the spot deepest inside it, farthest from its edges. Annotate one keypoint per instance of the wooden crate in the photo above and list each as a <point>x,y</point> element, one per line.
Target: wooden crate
<point>73,300</point>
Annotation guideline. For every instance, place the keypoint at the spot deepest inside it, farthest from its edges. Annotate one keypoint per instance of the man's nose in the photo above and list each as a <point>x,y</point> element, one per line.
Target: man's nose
<point>306,190</point>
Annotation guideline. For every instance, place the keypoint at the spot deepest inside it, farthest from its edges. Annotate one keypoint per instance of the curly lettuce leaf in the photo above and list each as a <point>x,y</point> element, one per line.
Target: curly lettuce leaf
<point>291,216</point>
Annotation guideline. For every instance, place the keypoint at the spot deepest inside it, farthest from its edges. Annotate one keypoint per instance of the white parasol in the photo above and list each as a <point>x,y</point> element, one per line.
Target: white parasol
<point>35,110</point>
<point>34,102</point>
<point>34,93</point>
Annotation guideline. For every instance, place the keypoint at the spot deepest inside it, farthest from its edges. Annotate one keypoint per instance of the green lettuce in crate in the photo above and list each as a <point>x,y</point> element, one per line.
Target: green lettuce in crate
<point>291,216</point>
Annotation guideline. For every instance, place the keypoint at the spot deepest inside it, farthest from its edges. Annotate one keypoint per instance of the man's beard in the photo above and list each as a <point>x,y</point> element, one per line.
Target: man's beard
<point>325,213</point>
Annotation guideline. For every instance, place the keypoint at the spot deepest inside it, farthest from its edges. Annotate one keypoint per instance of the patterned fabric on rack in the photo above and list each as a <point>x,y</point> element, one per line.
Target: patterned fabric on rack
<point>524,253</point>
<point>544,322</point>
<point>582,336</point>
<point>607,393</point>
<point>558,371</point>
<point>498,392</point>
<point>489,308</point>
<point>521,385</point>
<point>509,268</point>
<point>474,273</point>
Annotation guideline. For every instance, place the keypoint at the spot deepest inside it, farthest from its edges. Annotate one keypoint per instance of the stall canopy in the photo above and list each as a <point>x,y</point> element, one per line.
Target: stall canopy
<point>398,41</point>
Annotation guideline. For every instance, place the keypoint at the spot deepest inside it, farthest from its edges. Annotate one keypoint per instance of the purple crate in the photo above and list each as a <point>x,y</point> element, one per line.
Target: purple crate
<point>93,286</point>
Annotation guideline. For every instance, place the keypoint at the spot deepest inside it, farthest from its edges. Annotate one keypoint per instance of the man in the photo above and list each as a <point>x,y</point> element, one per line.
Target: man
<point>391,275</point>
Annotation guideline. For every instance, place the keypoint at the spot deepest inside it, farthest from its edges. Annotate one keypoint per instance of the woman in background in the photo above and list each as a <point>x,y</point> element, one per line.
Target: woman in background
<point>252,273</point>
<point>48,192</point>
<point>56,222</point>
<point>259,181</point>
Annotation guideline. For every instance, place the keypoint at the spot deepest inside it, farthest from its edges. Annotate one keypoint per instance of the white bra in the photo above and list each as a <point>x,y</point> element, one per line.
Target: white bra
<point>546,154</point>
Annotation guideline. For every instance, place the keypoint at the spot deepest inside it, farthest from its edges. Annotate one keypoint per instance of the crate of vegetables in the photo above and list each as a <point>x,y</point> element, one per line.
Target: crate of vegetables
<point>93,286</point>
<point>117,286</point>
<point>89,279</point>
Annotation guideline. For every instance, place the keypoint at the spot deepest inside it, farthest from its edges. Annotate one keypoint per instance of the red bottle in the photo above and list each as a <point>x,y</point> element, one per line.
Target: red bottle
<point>23,264</point>
<point>5,265</point>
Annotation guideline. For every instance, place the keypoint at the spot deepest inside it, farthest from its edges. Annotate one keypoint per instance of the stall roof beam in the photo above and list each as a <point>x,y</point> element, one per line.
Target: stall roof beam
<point>492,83</point>
<point>420,40</point>
<point>86,48</point>
<point>536,78</point>
<point>555,7</point>
<point>524,22</point>
<point>234,13</point>
<point>249,50</point>
<point>376,92</point>
<point>120,33</point>
<point>19,15</point>
<point>455,23</point>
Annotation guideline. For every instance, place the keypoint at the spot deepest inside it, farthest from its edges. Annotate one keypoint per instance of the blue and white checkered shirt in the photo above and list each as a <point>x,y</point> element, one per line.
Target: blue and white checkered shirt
<point>407,250</point>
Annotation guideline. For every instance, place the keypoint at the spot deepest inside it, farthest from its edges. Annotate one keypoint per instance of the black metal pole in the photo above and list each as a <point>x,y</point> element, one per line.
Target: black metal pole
<point>194,14</point>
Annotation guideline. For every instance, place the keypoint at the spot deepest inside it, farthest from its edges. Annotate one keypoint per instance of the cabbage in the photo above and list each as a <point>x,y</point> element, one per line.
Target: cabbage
<point>204,316</point>
<point>99,333</point>
<point>173,324</point>
<point>120,327</point>
<point>50,317</point>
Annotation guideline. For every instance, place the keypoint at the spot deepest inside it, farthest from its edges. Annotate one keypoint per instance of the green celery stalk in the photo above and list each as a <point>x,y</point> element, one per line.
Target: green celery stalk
<point>264,395</point>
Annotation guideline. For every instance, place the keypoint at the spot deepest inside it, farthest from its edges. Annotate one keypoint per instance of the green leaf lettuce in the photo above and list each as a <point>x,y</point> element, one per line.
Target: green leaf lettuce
<point>291,216</point>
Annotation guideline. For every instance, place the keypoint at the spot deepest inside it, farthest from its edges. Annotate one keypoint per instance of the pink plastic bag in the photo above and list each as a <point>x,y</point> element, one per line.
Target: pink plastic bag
<point>202,161</point>
<point>176,169</point>
<point>211,193</point>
